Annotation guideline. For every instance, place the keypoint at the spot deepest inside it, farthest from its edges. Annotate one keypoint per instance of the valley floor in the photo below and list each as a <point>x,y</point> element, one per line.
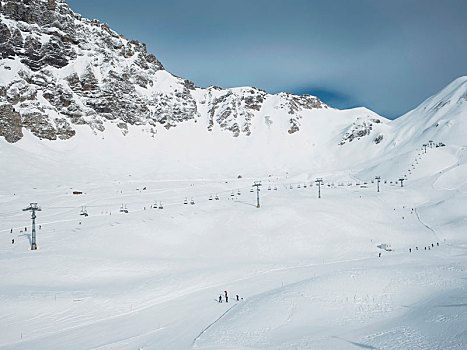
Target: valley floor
<point>307,271</point>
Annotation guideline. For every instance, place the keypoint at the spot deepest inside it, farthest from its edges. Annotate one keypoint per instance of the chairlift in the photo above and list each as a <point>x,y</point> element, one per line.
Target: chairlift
<point>192,202</point>
<point>84,212</point>
<point>304,185</point>
<point>238,192</point>
<point>210,197</point>
<point>217,197</point>
<point>251,190</point>
<point>160,205</point>
<point>185,201</point>
<point>291,187</point>
<point>269,188</point>
<point>232,194</point>
<point>298,186</point>
<point>275,188</point>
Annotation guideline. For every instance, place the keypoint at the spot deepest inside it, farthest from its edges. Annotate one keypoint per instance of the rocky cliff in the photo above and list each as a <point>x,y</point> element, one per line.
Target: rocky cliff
<point>59,70</point>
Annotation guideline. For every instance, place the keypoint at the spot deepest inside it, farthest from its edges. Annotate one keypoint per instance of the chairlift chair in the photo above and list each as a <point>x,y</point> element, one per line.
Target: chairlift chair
<point>251,190</point>
<point>291,187</point>
<point>304,185</point>
<point>160,205</point>
<point>192,202</point>
<point>238,192</point>
<point>275,188</point>
<point>210,197</point>
<point>232,194</point>
<point>217,197</point>
<point>185,201</point>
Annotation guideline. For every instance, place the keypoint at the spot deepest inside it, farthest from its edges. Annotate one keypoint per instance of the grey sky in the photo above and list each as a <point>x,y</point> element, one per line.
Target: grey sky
<point>386,55</point>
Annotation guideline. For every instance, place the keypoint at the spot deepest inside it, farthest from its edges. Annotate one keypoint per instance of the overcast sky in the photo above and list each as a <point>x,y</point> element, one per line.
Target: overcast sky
<point>385,55</point>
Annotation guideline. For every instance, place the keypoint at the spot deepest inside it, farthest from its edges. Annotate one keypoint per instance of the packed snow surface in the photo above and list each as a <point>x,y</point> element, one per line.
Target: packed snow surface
<point>307,271</point>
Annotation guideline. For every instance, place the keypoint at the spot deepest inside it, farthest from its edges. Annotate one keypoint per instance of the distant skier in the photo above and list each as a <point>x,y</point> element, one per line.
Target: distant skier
<point>432,245</point>
<point>25,229</point>
<point>416,248</point>
<point>410,250</point>
<point>379,255</point>
<point>13,241</point>
<point>437,243</point>
<point>220,298</point>
<point>11,230</point>
<point>237,297</point>
<point>40,226</point>
<point>425,248</point>
<point>226,297</point>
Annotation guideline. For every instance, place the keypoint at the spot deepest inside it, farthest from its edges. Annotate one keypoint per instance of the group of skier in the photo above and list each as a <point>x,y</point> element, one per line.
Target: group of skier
<point>429,247</point>
<point>226,297</point>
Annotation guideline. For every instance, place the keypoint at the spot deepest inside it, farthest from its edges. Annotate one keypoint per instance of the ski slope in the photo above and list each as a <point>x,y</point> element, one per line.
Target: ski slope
<point>307,269</point>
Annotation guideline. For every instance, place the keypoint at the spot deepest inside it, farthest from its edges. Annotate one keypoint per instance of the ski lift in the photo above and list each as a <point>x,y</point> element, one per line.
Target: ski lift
<point>238,192</point>
<point>185,201</point>
<point>192,202</point>
<point>217,197</point>
<point>251,191</point>
<point>160,205</point>
<point>84,212</point>
<point>304,185</point>
<point>269,188</point>
<point>210,197</point>
<point>298,186</point>
<point>232,194</point>
<point>275,188</point>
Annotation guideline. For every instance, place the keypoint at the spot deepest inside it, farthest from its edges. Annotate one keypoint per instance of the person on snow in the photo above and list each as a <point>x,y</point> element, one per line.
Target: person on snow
<point>237,297</point>
<point>410,250</point>
<point>13,241</point>
<point>379,255</point>
<point>220,298</point>
<point>226,297</point>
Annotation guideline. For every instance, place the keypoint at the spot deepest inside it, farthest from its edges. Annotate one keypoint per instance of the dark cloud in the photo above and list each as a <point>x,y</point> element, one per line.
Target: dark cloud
<point>386,55</point>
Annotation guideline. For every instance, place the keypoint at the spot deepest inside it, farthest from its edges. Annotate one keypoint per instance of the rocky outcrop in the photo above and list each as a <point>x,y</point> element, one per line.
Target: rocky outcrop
<point>65,70</point>
<point>361,128</point>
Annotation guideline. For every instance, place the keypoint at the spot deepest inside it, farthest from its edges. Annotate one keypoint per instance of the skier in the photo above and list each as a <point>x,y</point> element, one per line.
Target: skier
<point>237,297</point>
<point>379,255</point>
<point>416,248</point>
<point>11,230</point>
<point>437,243</point>
<point>226,297</point>
<point>432,245</point>
<point>13,241</point>
<point>25,229</point>
<point>425,248</point>
<point>40,226</point>
<point>410,250</point>
<point>220,298</point>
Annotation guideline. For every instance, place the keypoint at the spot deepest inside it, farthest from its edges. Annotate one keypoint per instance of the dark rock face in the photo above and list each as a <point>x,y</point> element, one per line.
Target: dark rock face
<point>65,70</point>
<point>10,123</point>
<point>360,129</point>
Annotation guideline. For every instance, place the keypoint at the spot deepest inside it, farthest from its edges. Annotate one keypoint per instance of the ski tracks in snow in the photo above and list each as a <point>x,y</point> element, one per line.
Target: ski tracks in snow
<point>212,323</point>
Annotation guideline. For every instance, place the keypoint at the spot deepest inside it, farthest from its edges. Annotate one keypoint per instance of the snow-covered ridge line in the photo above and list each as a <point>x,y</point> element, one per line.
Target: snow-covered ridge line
<point>59,70</point>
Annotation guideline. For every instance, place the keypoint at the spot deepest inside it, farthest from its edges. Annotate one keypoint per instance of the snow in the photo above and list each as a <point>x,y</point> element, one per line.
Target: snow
<point>307,269</point>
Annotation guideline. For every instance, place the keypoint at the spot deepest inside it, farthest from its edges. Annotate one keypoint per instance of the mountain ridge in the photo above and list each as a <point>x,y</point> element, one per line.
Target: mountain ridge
<point>60,70</point>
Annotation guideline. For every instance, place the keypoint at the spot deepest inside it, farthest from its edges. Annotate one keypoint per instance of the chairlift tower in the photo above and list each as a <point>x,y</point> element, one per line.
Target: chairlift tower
<point>402,181</point>
<point>257,184</point>
<point>424,146</point>
<point>33,208</point>
<point>319,182</point>
<point>378,180</point>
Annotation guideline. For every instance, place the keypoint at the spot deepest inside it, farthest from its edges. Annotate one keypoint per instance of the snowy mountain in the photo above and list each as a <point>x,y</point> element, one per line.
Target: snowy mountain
<point>149,215</point>
<point>60,70</point>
